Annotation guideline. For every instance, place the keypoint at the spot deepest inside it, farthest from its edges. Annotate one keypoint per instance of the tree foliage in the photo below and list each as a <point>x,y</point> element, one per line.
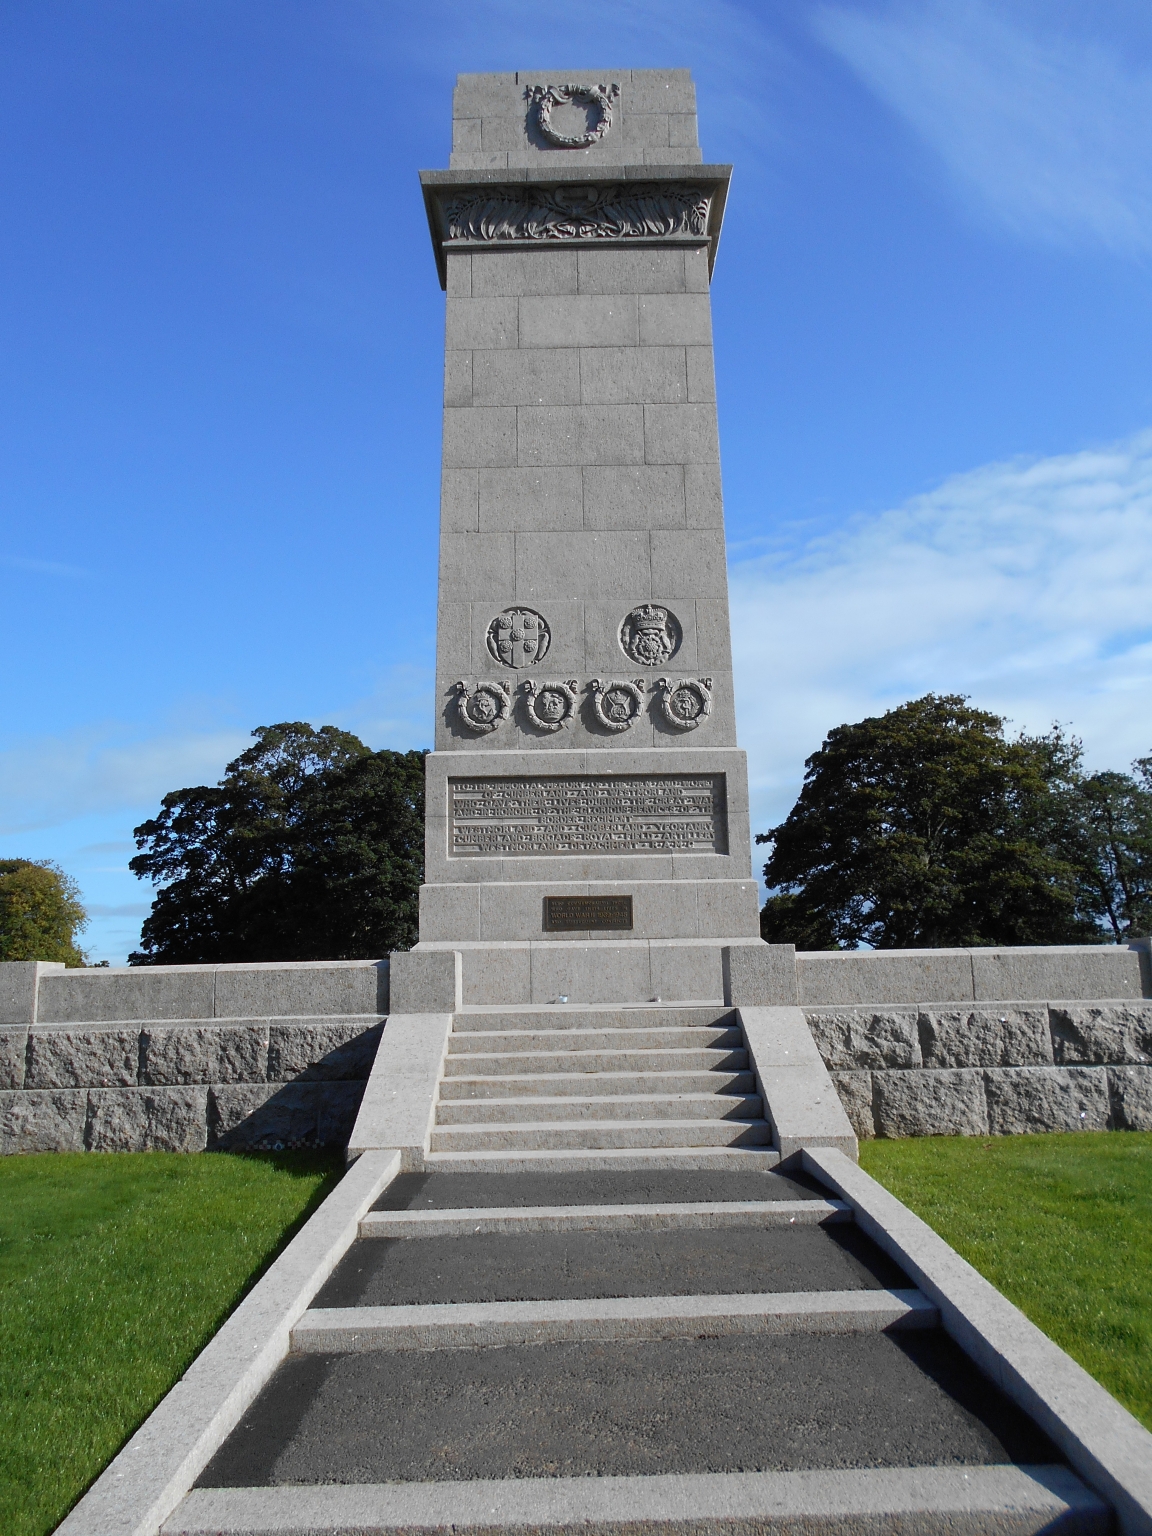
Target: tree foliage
<point>1116,854</point>
<point>40,912</point>
<point>927,827</point>
<point>311,847</point>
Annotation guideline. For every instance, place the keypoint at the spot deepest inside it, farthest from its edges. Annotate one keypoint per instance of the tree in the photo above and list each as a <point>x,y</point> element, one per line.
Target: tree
<point>311,847</point>
<point>40,912</point>
<point>927,827</point>
<point>1116,828</point>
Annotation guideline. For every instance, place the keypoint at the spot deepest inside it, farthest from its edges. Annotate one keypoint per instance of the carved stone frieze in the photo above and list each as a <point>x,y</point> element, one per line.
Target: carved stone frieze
<point>577,212</point>
<point>518,637</point>
<point>550,706</point>
<point>618,703</point>
<point>687,702</point>
<point>543,100</point>
<point>482,707</point>
<point>650,635</point>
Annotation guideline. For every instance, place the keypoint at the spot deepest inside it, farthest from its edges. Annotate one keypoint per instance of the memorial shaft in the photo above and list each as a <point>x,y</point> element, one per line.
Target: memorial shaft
<point>585,771</point>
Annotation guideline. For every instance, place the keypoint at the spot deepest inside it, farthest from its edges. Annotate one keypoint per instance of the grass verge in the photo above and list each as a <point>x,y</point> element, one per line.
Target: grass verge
<point>1061,1224</point>
<point>115,1271</point>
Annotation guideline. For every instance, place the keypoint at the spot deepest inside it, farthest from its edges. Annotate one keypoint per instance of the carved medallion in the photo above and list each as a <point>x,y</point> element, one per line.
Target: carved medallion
<point>599,98</point>
<point>483,706</point>
<point>518,637</point>
<point>617,704</point>
<point>637,211</point>
<point>650,635</point>
<point>687,702</point>
<point>550,706</point>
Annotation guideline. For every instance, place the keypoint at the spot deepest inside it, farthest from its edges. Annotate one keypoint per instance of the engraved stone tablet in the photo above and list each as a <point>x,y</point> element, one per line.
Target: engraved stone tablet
<point>572,913</point>
<point>587,814</point>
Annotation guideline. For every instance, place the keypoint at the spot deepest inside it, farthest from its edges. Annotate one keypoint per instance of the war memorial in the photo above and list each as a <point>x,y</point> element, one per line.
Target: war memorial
<point>603,1259</point>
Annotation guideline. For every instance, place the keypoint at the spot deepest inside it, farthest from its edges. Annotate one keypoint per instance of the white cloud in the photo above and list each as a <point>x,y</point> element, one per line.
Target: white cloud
<point>1049,132</point>
<point>47,780</point>
<point>1027,585</point>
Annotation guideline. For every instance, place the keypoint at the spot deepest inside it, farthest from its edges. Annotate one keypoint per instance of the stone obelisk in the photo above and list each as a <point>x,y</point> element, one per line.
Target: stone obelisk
<point>587,831</point>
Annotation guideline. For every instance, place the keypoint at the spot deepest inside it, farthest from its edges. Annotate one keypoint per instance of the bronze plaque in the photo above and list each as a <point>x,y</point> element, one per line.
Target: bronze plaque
<point>580,913</point>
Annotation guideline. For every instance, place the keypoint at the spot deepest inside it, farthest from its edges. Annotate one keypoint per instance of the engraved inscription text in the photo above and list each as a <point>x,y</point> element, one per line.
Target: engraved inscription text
<point>587,813</point>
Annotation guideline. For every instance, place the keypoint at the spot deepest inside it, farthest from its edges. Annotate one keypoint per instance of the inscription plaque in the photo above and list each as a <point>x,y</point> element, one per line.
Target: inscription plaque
<point>587,813</point>
<point>569,913</point>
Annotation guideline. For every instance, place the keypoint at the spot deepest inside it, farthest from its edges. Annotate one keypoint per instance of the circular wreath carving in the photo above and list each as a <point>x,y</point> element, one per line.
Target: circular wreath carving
<point>650,635</point>
<point>600,97</point>
<point>687,702</point>
<point>518,637</point>
<point>550,706</point>
<point>618,703</point>
<point>483,706</point>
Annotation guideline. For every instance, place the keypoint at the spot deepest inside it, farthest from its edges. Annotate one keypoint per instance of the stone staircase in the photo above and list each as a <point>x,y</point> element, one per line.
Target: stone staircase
<point>542,1086</point>
<point>672,1351</point>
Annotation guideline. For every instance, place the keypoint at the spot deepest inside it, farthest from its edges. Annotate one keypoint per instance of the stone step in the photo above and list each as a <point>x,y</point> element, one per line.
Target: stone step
<point>639,1039</point>
<point>609,1160</point>
<point>484,1324</point>
<point>709,1215</point>
<point>607,1016</point>
<point>594,1135</point>
<point>857,1501</point>
<point>699,1106</point>
<point>533,1062</point>
<point>550,1085</point>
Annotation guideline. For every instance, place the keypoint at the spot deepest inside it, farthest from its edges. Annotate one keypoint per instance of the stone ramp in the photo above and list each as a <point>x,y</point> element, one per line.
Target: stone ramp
<point>556,1350</point>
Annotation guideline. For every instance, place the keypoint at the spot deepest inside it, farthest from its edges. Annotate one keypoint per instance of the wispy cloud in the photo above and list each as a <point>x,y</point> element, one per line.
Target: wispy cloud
<point>127,909</point>
<point>1049,132</point>
<point>46,568</point>
<point>1024,584</point>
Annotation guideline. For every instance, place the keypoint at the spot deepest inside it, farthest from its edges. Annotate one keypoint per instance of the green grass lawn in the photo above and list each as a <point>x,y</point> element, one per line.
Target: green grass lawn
<point>115,1270</point>
<point>1062,1224</point>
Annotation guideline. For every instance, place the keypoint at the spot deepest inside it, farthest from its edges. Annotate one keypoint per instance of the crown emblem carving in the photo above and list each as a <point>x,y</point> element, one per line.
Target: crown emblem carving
<point>650,635</point>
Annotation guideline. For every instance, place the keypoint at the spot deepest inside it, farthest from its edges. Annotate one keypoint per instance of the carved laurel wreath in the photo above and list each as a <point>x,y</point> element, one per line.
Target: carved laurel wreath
<point>601,97</point>
<point>534,692</point>
<point>483,706</point>
<point>687,702</point>
<point>600,691</point>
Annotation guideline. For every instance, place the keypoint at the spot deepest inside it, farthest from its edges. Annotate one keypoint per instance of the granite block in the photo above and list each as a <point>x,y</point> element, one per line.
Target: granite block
<point>1102,1034</point>
<point>646,130</point>
<point>147,1119</point>
<point>1027,1099</point>
<point>466,135</point>
<point>853,1040</point>
<point>578,434</point>
<point>527,376</point>
<point>581,320</point>
<point>703,497</point>
<point>458,273</point>
<point>1130,1090</point>
<point>548,500</point>
<point>647,269</point>
<point>1064,971</point>
<point>301,989</point>
<point>475,324</point>
<point>337,1050</point>
<point>519,274</point>
<point>264,1115</point>
<point>701,375</point>
<point>680,434</point>
<point>614,564</point>
<point>632,375</point>
<point>627,496</point>
<point>459,497</point>
<point>682,130</point>
<point>483,562</point>
<point>855,1090</point>
<point>336,1113</point>
<point>689,563</point>
<point>13,1051</point>
<point>193,1053</point>
<point>661,90</point>
<point>917,1103</point>
<point>458,379</point>
<point>759,975</point>
<point>49,1120</point>
<point>111,996</point>
<point>479,436</point>
<point>985,1037</point>
<point>675,320</point>
<point>65,1057</point>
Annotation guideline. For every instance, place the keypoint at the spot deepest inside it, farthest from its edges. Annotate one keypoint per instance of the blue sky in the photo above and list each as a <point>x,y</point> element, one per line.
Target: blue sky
<point>220,354</point>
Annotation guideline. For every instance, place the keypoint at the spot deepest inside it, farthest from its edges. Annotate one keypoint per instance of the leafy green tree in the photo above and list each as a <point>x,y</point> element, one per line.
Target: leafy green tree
<point>927,827</point>
<point>40,912</point>
<point>1116,829</point>
<point>311,847</point>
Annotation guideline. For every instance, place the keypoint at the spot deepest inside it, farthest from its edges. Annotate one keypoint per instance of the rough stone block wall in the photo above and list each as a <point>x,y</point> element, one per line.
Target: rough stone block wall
<point>184,1086</point>
<point>1000,1070</point>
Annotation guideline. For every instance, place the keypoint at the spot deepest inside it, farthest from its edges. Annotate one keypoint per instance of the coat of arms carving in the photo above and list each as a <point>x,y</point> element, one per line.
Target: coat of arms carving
<point>550,706</point>
<point>686,703</point>
<point>618,703</point>
<point>650,635</point>
<point>483,707</point>
<point>518,637</point>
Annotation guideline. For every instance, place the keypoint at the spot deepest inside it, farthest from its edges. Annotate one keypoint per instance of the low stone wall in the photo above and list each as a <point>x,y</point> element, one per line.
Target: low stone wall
<point>998,1070</point>
<point>186,1086</point>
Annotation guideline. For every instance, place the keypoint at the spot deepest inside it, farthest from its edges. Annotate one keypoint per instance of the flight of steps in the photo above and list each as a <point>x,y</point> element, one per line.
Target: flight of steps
<point>626,1086</point>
